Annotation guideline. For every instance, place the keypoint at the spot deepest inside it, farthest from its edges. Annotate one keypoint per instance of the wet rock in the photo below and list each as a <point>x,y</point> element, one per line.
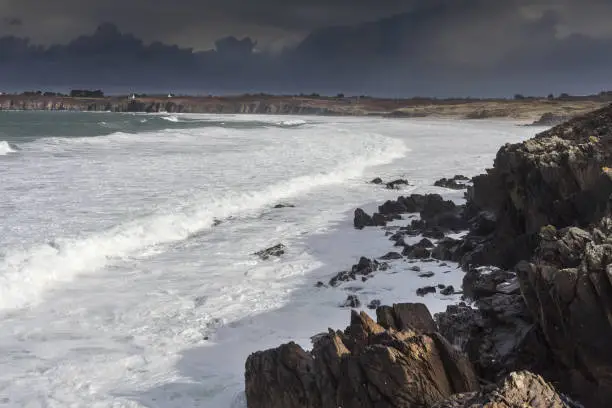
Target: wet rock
<point>352,301</point>
<point>362,269</point>
<point>396,183</point>
<point>320,284</point>
<point>483,281</point>
<point>425,290</point>
<point>392,207</point>
<point>426,275</point>
<point>379,220</point>
<point>391,256</point>
<point>377,180</point>
<point>415,269</point>
<point>274,251</point>
<point>362,219</point>
<point>456,183</point>
<point>281,205</point>
<point>447,291</point>
<point>415,252</point>
<point>434,233</point>
<point>446,250</point>
<point>374,304</point>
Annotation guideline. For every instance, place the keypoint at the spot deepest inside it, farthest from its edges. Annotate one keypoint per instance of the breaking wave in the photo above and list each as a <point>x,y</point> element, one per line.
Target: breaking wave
<point>6,148</point>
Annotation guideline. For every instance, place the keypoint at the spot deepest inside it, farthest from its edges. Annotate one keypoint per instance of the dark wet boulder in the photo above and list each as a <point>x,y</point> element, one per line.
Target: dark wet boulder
<point>379,220</point>
<point>391,256</point>
<point>447,291</point>
<point>377,180</point>
<point>392,207</point>
<point>374,304</point>
<point>435,205</point>
<point>281,205</point>
<point>352,301</point>
<point>275,251</point>
<point>395,184</point>
<point>362,219</point>
<point>428,274</point>
<point>416,252</point>
<point>456,183</point>
<point>364,268</point>
<point>425,290</point>
<point>446,250</point>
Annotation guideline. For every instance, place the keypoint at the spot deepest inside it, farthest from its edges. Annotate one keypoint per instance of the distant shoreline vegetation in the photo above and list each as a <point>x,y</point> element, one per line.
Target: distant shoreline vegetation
<point>604,96</point>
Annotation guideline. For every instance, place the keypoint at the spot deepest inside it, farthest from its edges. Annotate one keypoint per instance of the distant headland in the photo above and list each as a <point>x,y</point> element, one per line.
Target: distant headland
<point>547,110</point>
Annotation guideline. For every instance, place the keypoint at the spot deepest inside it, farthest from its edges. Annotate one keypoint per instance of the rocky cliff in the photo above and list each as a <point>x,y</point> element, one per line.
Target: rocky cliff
<point>543,215</point>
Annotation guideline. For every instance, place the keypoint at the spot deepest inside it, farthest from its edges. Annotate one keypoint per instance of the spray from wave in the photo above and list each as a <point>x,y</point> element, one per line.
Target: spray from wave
<point>170,118</point>
<point>26,275</point>
<point>6,148</point>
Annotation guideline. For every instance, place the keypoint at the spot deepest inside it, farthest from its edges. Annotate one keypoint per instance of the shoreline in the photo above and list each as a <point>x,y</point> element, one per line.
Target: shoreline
<point>539,281</point>
<point>547,111</point>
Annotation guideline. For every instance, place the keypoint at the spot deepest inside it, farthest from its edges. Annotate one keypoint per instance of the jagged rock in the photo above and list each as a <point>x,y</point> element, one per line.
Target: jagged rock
<point>567,287</point>
<point>363,367</point>
<point>396,183</point>
<point>415,269</point>
<point>377,180</point>
<point>275,251</point>
<point>518,390</point>
<point>426,275</point>
<point>362,219</point>
<point>416,252</point>
<point>425,291</point>
<point>392,207</point>
<point>352,301</point>
<point>483,281</point>
<point>363,268</point>
<point>446,250</point>
<point>455,183</point>
<point>374,304</point>
<point>379,220</point>
<point>559,178</point>
<point>447,291</point>
<point>391,256</point>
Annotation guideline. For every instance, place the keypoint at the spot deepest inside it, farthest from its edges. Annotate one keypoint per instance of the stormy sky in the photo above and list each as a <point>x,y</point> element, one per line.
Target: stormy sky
<point>379,47</point>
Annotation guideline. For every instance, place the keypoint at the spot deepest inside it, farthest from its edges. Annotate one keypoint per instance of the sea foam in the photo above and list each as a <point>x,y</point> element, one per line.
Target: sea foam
<point>5,148</point>
<point>26,275</point>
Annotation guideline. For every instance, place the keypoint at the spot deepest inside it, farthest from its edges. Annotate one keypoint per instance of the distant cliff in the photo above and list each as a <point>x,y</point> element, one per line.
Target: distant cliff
<point>310,105</point>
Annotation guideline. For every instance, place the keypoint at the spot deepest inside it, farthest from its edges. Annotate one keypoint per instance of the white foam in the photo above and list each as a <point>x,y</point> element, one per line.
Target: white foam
<point>5,148</point>
<point>26,275</point>
<point>292,123</point>
<point>171,118</point>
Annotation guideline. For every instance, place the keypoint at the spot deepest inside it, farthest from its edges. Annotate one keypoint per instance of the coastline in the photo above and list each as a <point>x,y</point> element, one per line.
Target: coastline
<point>536,327</point>
<point>551,111</point>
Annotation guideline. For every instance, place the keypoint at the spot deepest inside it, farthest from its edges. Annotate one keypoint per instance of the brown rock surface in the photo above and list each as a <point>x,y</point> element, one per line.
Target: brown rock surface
<point>364,366</point>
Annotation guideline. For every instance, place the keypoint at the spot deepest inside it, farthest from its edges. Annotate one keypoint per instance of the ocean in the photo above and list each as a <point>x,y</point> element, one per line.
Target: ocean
<point>127,274</point>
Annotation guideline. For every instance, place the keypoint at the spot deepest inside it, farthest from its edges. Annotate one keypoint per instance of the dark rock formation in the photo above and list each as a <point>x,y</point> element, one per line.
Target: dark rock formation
<point>374,304</point>
<point>377,180</point>
<point>458,182</point>
<point>425,291</point>
<point>362,219</point>
<point>396,183</point>
<point>364,268</point>
<point>352,301</point>
<point>559,178</point>
<point>517,390</point>
<point>278,206</point>
<point>276,251</point>
<point>366,366</point>
<point>391,256</point>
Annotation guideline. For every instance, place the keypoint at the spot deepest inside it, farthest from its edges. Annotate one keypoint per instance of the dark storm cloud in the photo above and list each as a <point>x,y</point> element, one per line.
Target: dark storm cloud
<point>12,21</point>
<point>433,47</point>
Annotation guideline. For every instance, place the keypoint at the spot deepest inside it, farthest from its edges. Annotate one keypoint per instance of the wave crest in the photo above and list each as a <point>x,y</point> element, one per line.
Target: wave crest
<point>6,148</point>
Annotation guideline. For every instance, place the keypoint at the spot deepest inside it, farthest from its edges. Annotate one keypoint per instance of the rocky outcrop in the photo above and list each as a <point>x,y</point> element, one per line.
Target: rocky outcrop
<point>568,290</point>
<point>559,178</point>
<point>550,119</point>
<point>275,251</point>
<point>517,390</point>
<point>367,365</point>
<point>459,182</point>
